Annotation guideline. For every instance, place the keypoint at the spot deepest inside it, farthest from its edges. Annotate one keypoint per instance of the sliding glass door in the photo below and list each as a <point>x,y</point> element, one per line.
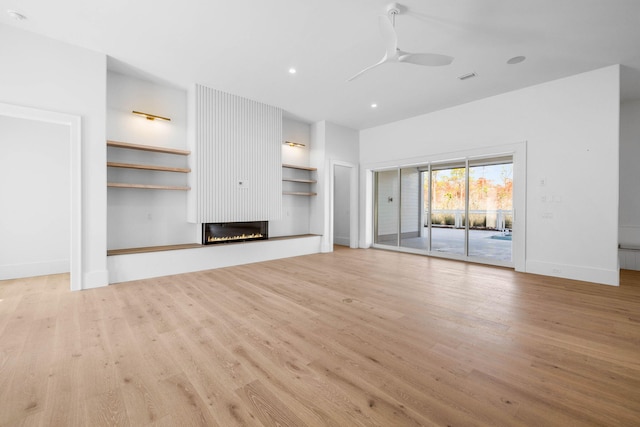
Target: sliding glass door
<point>448,218</point>
<point>461,209</point>
<point>491,209</point>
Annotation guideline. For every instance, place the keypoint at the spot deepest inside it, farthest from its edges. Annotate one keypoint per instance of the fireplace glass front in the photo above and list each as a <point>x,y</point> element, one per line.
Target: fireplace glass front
<point>225,232</point>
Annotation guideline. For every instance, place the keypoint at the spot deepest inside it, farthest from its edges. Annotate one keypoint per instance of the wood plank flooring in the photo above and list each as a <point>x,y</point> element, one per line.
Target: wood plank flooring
<point>352,338</point>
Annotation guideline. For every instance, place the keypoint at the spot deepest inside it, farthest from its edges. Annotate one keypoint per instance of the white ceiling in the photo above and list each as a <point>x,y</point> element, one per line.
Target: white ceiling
<point>246,47</point>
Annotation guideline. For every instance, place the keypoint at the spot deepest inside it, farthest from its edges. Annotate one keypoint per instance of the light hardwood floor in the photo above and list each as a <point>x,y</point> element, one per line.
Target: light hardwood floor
<point>352,338</point>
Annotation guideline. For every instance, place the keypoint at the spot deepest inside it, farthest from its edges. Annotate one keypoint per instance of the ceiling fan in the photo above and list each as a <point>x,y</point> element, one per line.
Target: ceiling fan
<point>393,53</point>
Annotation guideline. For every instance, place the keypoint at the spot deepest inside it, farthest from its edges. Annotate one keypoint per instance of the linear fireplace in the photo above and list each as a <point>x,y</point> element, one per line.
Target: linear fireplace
<point>225,232</point>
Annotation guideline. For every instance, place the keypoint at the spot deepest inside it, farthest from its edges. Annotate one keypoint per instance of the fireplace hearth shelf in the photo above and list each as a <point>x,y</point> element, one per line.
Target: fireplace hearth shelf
<point>127,251</point>
<point>163,248</point>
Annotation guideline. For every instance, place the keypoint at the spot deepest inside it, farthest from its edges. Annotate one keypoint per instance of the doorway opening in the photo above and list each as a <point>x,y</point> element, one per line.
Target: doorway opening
<point>344,204</point>
<point>29,125</point>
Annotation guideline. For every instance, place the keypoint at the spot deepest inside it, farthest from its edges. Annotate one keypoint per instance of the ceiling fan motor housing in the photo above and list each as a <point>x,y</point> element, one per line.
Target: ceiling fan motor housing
<point>393,9</point>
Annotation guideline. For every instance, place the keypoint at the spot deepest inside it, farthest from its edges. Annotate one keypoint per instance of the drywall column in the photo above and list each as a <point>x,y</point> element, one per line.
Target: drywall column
<point>317,160</point>
<point>330,143</point>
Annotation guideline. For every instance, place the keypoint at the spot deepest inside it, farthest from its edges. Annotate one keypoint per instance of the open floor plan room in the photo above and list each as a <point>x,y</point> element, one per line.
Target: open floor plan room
<point>350,338</point>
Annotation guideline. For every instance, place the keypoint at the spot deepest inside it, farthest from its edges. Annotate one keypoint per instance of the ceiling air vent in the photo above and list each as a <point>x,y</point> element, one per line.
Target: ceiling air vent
<point>467,76</point>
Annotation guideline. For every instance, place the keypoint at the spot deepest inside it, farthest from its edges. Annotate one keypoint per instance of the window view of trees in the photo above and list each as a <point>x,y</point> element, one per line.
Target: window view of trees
<point>484,203</point>
<point>490,196</point>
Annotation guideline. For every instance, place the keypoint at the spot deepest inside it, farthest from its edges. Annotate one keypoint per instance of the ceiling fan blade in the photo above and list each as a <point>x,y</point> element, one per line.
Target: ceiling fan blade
<point>382,61</point>
<point>389,35</point>
<point>428,59</point>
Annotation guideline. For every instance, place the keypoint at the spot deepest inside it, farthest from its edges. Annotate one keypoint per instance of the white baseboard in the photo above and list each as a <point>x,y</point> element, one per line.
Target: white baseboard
<point>629,258</point>
<point>585,274</point>
<point>344,241</point>
<point>18,271</point>
<point>95,279</point>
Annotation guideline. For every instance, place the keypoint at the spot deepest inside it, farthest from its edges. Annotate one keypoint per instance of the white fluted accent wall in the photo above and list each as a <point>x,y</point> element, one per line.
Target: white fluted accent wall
<point>236,158</point>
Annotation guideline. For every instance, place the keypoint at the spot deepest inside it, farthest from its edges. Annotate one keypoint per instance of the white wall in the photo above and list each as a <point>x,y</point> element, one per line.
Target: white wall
<point>342,143</point>
<point>317,159</point>
<point>295,209</point>
<point>42,73</point>
<point>296,131</point>
<point>571,127</point>
<point>629,234</point>
<point>341,205</point>
<point>35,191</point>
<point>330,143</point>
<point>138,217</point>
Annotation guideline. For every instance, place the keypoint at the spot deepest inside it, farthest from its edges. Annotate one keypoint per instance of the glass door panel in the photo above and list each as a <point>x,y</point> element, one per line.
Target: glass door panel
<point>448,198</point>
<point>491,210</point>
<point>387,199</point>
<point>411,235</point>
<point>424,193</point>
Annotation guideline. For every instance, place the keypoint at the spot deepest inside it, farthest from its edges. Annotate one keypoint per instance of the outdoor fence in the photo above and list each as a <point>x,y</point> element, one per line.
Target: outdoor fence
<point>499,219</point>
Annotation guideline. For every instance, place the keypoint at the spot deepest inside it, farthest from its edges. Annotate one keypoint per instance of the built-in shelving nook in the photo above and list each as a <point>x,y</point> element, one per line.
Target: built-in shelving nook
<point>299,175</point>
<point>149,167</point>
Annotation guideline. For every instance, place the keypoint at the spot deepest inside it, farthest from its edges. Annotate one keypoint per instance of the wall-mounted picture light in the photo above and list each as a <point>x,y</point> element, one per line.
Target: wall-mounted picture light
<point>293,144</point>
<point>150,116</point>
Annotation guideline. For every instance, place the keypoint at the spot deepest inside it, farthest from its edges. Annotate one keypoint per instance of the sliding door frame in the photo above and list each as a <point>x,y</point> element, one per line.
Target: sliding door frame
<point>518,153</point>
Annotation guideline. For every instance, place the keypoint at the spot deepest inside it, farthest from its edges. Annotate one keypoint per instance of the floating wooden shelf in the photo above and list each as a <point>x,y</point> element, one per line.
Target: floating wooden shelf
<point>148,167</point>
<point>304,168</point>
<point>148,186</point>
<point>298,193</point>
<point>127,251</point>
<point>299,180</point>
<point>152,148</point>
<point>305,181</point>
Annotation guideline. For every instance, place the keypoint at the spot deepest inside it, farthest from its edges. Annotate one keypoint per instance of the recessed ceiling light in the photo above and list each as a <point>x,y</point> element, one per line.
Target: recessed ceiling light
<point>516,60</point>
<point>374,105</point>
<point>292,70</point>
<point>16,15</point>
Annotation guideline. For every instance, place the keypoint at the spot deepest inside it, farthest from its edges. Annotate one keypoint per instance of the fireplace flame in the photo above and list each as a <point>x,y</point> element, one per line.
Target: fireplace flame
<point>240,237</point>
